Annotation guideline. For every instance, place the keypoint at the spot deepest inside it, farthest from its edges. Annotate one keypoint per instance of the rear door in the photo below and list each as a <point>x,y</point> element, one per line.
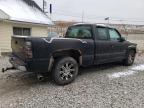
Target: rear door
<point>118,47</point>
<point>102,45</point>
<point>85,35</point>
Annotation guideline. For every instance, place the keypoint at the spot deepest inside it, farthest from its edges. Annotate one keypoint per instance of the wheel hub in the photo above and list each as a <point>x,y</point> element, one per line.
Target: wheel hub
<point>131,58</point>
<point>67,71</point>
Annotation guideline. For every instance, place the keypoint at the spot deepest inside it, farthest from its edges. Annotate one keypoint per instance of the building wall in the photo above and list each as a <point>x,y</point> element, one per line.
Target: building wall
<point>5,36</point>
<point>39,31</point>
<point>6,31</point>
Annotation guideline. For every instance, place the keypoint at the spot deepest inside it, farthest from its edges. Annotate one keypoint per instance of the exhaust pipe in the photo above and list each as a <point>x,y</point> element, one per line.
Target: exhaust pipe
<point>40,77</point>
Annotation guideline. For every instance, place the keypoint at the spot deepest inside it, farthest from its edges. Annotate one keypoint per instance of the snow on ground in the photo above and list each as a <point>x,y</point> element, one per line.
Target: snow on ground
<point>131,71</point>
<point>138,68</point>
<point>20,11</point>
<point>121,74</point>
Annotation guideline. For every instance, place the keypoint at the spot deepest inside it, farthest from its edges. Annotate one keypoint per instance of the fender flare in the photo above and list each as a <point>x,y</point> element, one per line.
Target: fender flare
<point>132,47</point>
<point>51,60</point>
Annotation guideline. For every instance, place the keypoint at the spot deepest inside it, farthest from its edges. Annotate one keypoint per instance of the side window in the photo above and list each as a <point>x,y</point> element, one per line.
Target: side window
<point>114,35</point>
<point>102,33</point>
<point>79,32</point>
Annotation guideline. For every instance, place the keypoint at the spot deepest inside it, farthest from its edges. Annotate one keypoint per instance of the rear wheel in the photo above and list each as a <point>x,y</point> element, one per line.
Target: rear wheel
<point>65,70</point>
<point>130,58</point>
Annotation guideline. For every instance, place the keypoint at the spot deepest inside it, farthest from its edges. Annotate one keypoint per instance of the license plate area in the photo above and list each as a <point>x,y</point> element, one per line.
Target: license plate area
<point>16,62</point>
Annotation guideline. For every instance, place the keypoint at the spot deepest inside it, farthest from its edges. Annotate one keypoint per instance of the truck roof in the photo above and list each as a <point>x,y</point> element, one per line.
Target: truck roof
<point>101,25</point>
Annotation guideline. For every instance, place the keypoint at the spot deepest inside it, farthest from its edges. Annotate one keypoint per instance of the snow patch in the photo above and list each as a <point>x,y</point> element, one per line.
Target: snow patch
<point>138,68</point>
<point>121,74</point>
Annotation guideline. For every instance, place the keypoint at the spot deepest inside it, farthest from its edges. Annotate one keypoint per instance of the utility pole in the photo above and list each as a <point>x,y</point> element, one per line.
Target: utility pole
<point>50,11</point>
<point>82,16</point>
<point>43,6</point>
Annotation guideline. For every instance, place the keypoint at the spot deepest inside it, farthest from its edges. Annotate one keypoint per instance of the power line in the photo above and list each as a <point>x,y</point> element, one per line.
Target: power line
<point>127,20</point>
<point>97,18</point>
<point>58,11</point>
<point>83,16</point>
<point>94,16</point>
<point>78,14</point>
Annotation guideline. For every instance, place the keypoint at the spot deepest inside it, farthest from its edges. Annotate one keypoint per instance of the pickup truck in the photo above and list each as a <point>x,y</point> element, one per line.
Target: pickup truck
<point>83,45</point>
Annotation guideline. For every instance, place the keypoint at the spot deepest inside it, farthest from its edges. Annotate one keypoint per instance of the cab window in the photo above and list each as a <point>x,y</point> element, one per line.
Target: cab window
<point>114,35</point>
<point>102,33</point>
<point>79,32</point>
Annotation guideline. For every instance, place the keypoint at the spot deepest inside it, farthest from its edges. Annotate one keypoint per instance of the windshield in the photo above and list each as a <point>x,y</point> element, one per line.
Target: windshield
<point>79,32</point>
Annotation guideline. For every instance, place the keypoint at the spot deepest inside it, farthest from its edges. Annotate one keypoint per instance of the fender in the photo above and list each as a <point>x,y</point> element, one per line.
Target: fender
<point>51,61</point>
<point>132,47</point>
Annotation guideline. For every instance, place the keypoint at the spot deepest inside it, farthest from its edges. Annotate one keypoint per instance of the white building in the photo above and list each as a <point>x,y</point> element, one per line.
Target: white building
<point>21,17</point>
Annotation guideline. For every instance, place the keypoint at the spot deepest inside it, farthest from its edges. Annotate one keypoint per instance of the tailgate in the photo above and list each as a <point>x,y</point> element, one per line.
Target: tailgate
<point>18,45</point>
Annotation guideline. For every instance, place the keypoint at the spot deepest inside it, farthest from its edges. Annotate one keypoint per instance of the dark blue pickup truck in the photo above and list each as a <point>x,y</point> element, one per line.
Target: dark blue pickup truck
<point>83,45</point>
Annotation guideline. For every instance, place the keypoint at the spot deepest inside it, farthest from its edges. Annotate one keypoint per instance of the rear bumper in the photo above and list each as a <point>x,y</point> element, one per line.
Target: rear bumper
<point>17,63</point>
<point>30,65</point>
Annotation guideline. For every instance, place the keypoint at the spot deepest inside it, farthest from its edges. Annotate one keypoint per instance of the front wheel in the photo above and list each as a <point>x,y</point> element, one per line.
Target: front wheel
<point>130,58</point>
<point>65,70</point>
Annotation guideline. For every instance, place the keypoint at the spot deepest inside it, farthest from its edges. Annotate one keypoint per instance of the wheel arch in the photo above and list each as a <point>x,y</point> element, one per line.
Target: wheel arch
<point>76,54</point>
<point>132,47</point>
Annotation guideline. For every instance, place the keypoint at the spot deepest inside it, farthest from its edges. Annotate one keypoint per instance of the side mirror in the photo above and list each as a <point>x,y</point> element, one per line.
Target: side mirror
<point>122,39</point>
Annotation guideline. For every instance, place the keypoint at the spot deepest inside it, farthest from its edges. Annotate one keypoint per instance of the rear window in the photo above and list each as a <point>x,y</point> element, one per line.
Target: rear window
<point>79,32</point>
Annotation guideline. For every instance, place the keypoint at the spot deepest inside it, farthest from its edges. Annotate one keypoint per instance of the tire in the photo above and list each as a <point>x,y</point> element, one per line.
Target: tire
<point>65,70</point>
<point>130,58</point>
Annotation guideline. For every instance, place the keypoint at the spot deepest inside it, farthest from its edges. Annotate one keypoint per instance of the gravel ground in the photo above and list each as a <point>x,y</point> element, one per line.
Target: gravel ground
<point>104,86</point>
<point>137,38</point>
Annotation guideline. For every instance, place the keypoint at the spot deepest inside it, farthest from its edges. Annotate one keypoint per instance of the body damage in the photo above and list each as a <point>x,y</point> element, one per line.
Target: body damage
<point>58,45</point>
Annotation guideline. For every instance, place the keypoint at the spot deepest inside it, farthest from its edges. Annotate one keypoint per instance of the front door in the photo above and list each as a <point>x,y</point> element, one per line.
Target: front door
<point>102,45</point>
<point>118,47</point>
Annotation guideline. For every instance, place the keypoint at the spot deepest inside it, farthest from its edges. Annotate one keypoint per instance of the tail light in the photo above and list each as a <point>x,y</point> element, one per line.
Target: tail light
<point>28,50</point>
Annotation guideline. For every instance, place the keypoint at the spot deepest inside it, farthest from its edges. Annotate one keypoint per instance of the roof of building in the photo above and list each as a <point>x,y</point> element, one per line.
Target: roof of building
<point>23,11</point>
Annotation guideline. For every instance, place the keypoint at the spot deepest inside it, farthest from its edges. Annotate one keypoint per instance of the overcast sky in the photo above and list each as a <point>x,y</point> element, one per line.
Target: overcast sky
<point>132,11</point>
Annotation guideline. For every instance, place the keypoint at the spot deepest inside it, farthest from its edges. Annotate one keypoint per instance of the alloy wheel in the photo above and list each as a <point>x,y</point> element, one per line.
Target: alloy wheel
<point>67,71</point>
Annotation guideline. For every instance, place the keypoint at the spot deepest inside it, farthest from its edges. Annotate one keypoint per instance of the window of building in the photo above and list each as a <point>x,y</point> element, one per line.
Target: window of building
<point>21,31</point>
